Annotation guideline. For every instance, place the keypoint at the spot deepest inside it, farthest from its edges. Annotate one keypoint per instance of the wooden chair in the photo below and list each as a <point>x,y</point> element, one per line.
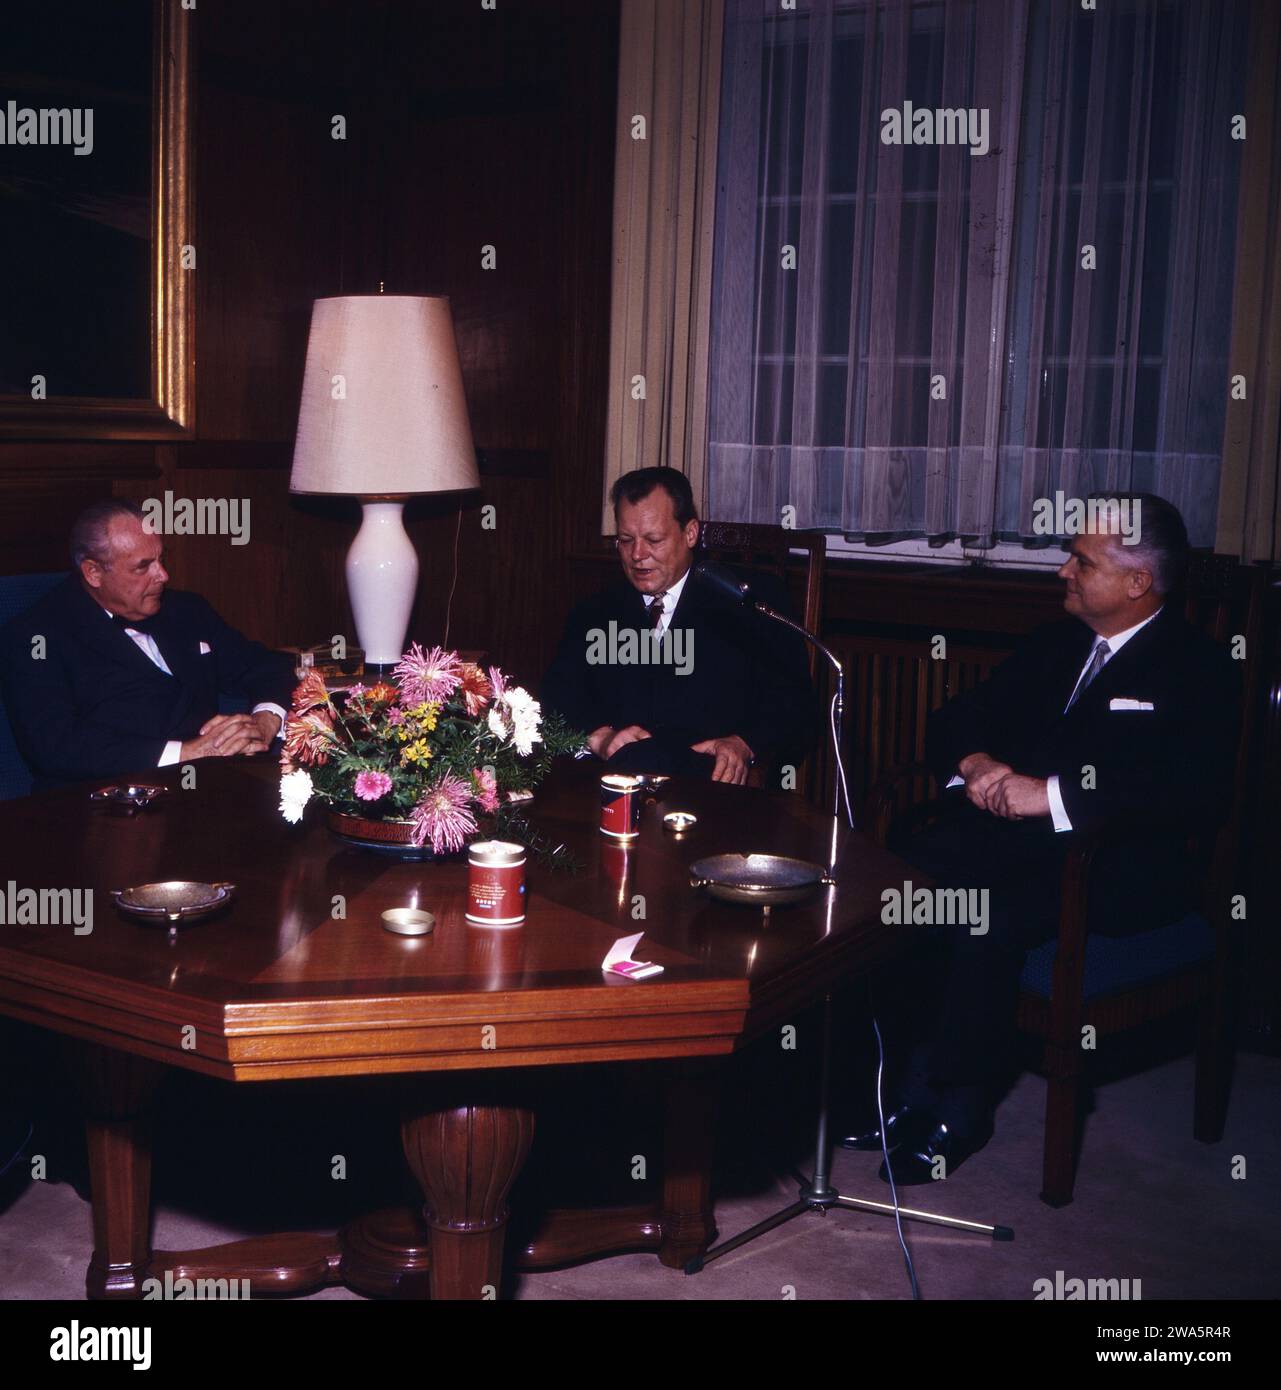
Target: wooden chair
<point>769,548</point>
<point>1116,984</point>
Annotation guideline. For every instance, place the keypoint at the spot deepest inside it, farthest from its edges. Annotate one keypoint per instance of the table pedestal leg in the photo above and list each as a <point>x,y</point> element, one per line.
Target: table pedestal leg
<point>117,1090</point>
<point>688,1149</point>
<point>466,1157</point>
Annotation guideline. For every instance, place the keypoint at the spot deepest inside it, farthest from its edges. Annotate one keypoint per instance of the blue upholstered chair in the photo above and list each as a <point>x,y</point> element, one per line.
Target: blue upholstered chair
<point>1114,984</point>
<point>17,593</point>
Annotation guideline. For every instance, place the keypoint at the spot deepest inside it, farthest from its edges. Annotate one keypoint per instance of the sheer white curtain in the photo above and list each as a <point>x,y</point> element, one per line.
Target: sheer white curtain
<point>1125,380</point>
<point>914,339</point>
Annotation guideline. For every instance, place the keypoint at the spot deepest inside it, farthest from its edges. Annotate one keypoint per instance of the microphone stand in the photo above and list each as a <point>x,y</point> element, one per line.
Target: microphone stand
<point>818,1193</point>
<point>837,723</point>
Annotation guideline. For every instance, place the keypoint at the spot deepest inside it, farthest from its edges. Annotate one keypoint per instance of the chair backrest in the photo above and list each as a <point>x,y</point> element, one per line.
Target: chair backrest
<point>769,548</point>
<point>1225,599</point>
<point>17,593</point>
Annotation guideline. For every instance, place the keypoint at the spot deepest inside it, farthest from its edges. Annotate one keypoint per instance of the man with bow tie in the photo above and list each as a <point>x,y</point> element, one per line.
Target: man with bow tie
<point>111,673</point>
<point>1123,718</point>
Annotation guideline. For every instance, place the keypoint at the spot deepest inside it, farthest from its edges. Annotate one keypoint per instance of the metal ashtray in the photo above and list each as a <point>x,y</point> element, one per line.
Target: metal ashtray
<point>175,903</point>
<point>678,822</point>
<point>761,879</point>
<point>408,921</point>
<point>129,798</point>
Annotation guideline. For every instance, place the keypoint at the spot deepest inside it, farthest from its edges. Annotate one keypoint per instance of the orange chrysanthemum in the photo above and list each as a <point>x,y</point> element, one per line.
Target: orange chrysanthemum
<point>382,694</point>
<point>476,688</point>
<point>309,737</point>
<point>311,693</point>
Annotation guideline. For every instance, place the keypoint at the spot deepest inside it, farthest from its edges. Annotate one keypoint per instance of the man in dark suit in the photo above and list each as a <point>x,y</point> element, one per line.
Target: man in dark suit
<point>111,674</point>
<point>667,676</point>
<point>1122,719</point>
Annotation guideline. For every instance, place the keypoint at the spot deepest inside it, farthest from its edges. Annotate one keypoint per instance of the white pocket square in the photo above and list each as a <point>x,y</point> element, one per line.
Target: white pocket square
<point>1131,704</point>
<point>205,649</point>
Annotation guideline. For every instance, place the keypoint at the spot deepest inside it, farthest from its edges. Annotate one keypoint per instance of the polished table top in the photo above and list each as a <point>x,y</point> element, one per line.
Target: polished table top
<point>277,986</point>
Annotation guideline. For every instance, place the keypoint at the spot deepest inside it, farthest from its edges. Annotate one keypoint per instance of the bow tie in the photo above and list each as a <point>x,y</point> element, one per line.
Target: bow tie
<point>133,624</point>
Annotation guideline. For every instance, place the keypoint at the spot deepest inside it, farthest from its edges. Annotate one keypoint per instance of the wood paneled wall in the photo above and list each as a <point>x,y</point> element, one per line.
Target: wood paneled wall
<point>465,128</point>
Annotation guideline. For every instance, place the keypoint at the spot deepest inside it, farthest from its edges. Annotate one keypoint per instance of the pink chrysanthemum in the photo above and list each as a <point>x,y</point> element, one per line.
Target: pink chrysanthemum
<point>372,786</point>
<point>498,682</point>
<point>486,789</point>
<point>428,678</point>
<point>443,816</point>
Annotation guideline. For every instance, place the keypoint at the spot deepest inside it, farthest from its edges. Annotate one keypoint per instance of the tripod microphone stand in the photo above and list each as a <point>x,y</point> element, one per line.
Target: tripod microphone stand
<point>818,1193</point>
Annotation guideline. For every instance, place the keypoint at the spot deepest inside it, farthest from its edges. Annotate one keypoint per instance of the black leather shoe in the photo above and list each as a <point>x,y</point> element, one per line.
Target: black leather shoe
<point>918,1163</point>
<point>906,1125</point>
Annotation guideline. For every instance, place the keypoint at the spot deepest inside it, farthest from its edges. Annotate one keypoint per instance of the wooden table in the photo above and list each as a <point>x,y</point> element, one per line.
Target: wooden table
<point>279,987</point>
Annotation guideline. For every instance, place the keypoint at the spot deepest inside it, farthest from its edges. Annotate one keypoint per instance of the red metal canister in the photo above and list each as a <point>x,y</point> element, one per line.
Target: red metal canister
<point>496,884</point>
<point>620,806</point>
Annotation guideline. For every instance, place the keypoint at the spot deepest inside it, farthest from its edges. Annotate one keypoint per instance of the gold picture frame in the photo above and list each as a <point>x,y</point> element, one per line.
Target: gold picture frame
<point>169,410</point>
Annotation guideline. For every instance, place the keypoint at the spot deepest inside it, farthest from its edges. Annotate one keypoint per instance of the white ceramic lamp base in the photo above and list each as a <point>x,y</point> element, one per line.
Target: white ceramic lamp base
<point>382,578</point>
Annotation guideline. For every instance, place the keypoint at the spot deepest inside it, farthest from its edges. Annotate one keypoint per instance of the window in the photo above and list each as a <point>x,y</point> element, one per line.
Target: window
<point>1031,293</point>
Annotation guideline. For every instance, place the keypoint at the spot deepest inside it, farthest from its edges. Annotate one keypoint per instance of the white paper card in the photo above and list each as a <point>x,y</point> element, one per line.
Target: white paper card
<point>618,960</point>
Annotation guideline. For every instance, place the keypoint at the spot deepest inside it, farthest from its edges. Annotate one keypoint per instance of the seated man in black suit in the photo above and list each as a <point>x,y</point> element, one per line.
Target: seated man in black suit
<point>724,689</point>
<point>1123,718</point>
<point>111,674</point>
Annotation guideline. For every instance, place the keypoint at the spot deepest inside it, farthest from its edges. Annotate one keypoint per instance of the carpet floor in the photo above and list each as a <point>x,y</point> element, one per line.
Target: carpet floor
<point>1189,1221</point>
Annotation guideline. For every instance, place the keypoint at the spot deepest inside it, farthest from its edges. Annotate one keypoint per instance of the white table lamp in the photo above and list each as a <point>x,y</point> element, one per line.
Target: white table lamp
<point>383,417</point>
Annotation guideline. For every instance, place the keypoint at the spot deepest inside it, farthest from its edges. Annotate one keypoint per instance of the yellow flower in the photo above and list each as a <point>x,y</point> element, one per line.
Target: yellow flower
<point>426,715</point>
<point>417,752</point>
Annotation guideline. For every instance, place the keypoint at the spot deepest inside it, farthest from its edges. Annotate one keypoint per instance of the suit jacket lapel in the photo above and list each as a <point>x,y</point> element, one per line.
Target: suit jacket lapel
<point>96,630</point>
<point>1137,651</point>
<point>179,650</point>
<point>1117,672</point>
<point>1075,652</point>
<point>631,608</point>
<point>687,605</point>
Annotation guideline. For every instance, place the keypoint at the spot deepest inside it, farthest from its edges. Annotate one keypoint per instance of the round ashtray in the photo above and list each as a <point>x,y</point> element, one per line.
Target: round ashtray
<point>678,822</point>
<point>173,903</point>
<point>771,879</point>
<point>408,921</point>
<point>131,796</point>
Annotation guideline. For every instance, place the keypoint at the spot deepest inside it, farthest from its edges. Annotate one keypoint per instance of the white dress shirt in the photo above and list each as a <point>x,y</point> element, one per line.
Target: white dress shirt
<point>1058,812</point>
<point>670,599</point>
<point>146,644</point>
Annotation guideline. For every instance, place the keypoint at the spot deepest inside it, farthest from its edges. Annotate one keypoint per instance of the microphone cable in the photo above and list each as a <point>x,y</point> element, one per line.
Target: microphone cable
<point>840,763</point>
<point>885,1154</point>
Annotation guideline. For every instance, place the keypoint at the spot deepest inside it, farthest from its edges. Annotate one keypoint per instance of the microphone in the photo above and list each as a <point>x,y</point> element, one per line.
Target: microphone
<point>724,581</point>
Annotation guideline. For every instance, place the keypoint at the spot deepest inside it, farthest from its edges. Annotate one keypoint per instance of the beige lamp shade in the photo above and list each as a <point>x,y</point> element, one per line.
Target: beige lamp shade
<point>383,411</point>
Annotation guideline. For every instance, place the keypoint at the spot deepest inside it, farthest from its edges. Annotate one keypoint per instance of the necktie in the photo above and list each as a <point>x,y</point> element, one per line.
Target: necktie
<point>1098,658</point>
<point>655,612</point>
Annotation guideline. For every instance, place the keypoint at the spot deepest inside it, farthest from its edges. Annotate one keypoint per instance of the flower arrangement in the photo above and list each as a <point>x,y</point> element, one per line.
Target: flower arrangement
<point>441,744</point>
